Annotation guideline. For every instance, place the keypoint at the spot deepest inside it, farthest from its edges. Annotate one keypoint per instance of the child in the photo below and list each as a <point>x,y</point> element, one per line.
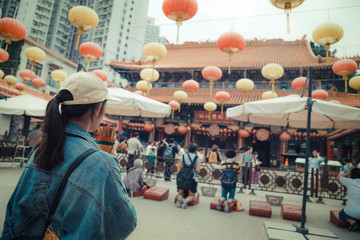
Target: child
<point>230,169</point>
<point>151,157</point>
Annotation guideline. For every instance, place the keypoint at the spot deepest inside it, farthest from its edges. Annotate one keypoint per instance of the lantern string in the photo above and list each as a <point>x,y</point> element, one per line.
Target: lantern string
<point>178,24</point>
<point>230,56</point>
<point>6,47</point>
<point>80,31</point>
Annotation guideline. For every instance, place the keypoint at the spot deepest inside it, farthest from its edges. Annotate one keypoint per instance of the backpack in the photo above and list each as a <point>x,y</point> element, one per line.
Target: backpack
<point>168,152</point>
<point>228,177</point>
<point>185,178</point>
<point>213,157</point>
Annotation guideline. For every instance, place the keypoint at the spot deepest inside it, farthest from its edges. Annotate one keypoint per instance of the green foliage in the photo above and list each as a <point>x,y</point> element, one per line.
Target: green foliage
<point>319,49</point>
<point>14,49</point>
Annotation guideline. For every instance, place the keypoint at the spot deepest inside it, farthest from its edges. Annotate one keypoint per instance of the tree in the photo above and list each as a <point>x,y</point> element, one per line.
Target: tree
<point>319,49</point>
<point>11,66</point>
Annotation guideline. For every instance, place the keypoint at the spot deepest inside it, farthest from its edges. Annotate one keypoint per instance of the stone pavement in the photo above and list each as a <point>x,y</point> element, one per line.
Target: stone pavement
<point>162,220</point>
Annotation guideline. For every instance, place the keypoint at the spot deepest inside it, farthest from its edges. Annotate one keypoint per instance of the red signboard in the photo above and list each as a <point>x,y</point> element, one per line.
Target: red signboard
<point>203,116</point>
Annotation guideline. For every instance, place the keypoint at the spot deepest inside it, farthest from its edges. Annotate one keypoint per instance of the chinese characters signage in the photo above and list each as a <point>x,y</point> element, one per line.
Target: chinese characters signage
<point>203,116</point>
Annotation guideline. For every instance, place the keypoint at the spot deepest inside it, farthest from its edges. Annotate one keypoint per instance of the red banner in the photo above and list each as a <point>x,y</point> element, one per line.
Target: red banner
<point>203,116</point>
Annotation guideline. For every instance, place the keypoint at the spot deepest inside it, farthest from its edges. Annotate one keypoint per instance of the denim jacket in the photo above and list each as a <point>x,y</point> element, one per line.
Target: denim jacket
<point>94,204</point>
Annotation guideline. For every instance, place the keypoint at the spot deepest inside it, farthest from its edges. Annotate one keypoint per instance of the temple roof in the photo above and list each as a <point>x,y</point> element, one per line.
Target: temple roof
<point>256,54</point>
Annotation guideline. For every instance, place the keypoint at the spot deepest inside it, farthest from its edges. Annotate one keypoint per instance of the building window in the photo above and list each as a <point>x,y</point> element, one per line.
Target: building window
<point>37,67</point>
<point>124,52</point>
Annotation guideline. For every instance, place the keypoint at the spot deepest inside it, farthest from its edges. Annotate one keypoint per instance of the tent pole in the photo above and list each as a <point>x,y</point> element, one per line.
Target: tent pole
<point>302,228</point>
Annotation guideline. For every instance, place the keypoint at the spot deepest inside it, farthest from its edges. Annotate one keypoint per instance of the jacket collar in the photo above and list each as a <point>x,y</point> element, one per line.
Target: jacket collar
<point>76,130</point>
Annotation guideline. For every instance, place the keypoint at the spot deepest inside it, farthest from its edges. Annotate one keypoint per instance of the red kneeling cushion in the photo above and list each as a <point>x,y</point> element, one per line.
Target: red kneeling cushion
<point>260,208</point>
<point>215,201</point>
<point>157,193</point>
<point>193,202</point>
<point>140,192</point>
<point>291,212</point>
<point>335,219</point>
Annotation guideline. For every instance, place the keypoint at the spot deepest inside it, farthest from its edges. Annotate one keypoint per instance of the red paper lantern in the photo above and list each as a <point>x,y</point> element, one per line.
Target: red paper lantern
<point>148,128</point>
<point>90,51</point>
<point>174,106</point>
<point>231,43</point>
<point>298,83</point>
<point>179,11</point>
<point>101,74</point>
<point>190,86</point>
<point>285,137</point>
<point>12,30</point>
<point>345,67</point>
<point>212,74</point>
<point>182,130</point>
<point>38,82</point>
<point>320,94</point>
<point>222,97</point>
<point>4,56</point>
<point>20,86</point>
<point>244,133</point>
<point>27,75</point>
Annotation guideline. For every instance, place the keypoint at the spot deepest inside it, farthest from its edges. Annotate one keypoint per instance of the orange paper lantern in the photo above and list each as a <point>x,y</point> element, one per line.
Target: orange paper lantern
<point>38,82</point>
<point>222,97</point>
<point>344,68</point>
<point>101,74</point>
<point>320,94</point>
<point>285,137</point>
<point>20,86</point>
<point>182,130</point>
<point>90,51</point>
<point>231,43</point>
<point>4,56</point>
<point>179,11</point>
<point>298,83</point>
<point>212,74</point>
<point>190,86</point>
<point>244,133</point>
<point>27,75</point>
<point>148,128</point>
<point>174,106</point>
<point>12,30</point>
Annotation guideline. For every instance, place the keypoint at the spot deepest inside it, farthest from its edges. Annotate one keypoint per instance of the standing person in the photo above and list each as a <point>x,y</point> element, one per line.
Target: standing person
<point>200,154</point>
<point>346,167</point>
<point>214,156</point>
<point>35,137</point>
<point>185,181</point>
<point>93,190</point>
<point>160,154</point>
<point>256,169</point>
<point>122,146</point>
<point>152,146</point>
<point>246,159</point>
<point>151,158</point>
<point>169,155</point>
<point>230,168</point>
<point>351,213</point>
<point>315,162</point>
<point>134,147</point>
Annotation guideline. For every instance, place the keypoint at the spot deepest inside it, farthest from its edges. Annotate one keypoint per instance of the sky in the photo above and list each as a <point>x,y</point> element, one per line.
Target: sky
<point>260,19</point>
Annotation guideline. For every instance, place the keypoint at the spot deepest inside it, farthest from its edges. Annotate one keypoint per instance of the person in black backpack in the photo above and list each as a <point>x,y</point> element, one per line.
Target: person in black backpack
<point>230,169</point>
<point>186,182</point>
<point>169,158</point>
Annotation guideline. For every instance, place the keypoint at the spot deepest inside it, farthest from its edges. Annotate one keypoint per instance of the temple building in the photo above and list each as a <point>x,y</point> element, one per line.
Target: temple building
<point>186,61</point>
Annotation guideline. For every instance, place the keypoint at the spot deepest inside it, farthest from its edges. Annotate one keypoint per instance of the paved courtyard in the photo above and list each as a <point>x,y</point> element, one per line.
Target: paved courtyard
<point>162,220</point>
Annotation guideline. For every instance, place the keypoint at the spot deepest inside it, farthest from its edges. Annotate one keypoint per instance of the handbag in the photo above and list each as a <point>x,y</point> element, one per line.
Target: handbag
<point>49,232</point>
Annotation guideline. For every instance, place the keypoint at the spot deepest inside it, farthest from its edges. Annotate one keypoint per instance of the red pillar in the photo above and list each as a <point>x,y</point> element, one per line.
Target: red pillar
<point>120,127</point>
<point>329,150</point>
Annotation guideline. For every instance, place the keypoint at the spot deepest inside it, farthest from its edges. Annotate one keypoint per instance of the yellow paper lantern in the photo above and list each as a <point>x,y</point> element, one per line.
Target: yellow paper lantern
<point>47,92</point>
<point>150,75</point>
<point>58,76</point>
<point>35,54</point>
<point>272,71</point>
<point>269,95</point>
<point>1,74</point>
<point>84,18</point>
<point>154,51</point>
<point>180,96</point>
<point>10,79</point>
<point>287,5</point>
<point>355,83</point>
<point>142,86</point>
<point>245,85</point>
<point>210,107</point>
<point>327,34</point>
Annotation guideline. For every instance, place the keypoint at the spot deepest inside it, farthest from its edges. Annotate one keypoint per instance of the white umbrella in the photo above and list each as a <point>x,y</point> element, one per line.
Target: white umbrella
<point>133,104</point>
<point>23,104</point>
<point>292,111</point>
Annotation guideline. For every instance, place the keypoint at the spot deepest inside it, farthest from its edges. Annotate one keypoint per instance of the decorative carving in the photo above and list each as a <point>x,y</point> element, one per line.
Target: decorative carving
<point>169,129</point>
<point>214,130</point>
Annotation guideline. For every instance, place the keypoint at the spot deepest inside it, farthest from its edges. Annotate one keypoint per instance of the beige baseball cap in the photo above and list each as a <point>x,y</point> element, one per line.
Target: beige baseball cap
<point>85,87</point>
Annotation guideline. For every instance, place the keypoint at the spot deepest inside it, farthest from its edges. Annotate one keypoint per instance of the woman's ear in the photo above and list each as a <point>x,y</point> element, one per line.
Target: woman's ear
<point>97,110</point>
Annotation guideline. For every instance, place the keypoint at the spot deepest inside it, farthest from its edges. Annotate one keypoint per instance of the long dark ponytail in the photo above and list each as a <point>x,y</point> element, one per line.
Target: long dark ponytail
<point>50,152</point>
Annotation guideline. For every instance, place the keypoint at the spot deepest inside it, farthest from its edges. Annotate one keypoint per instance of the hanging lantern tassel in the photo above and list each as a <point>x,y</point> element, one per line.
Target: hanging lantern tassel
<point>7,41</point>
<point>230,56</point>
<point>211,85</point>
<point>345,77</point>
<point>148,89</point>
<point>179,105</point>
<point>327,48</point>
<point>222,107</point>
<point>88,63</point>
<point>209,115</point>
<point>32,65</point>
<point>80,31</point>
<point>272,85</point>
<point>288,21</point>
<point>178,24</point>
<point>189,97</point>
<point>172,113</point>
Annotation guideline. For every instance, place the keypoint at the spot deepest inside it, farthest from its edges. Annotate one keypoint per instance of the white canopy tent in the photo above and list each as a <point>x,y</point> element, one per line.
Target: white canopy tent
<point>23,105</point>
<point>133,104</point>
<point>291,111</point>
